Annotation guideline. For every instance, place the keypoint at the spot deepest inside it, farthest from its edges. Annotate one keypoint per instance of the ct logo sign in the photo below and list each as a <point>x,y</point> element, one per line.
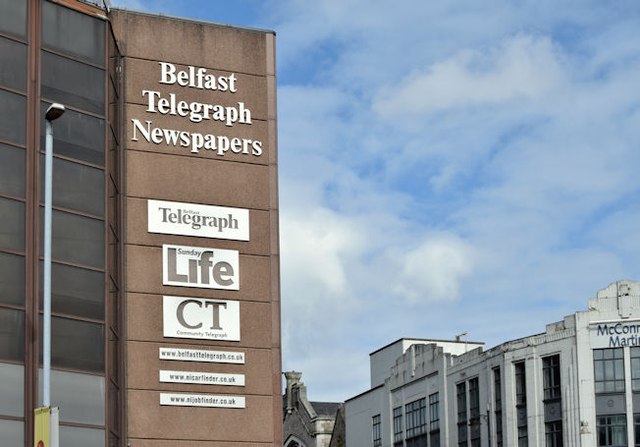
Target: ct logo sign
<point>199,318</point>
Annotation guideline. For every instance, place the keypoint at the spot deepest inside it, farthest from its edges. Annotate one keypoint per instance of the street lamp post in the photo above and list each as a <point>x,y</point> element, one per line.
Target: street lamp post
<point>54,112</point>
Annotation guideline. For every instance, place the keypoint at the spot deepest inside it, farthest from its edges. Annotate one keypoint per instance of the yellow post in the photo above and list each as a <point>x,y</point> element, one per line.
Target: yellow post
<point>42,427</point>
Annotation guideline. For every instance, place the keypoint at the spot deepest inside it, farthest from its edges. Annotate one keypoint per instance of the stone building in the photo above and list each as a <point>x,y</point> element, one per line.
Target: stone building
<point>310,424</point>
<point>576,384</point>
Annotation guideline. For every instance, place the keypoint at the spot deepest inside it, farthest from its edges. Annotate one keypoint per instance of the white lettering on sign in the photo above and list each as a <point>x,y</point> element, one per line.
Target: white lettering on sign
<point>196,112</point>
<point>615,334</point>
<point>202,355</point>
<point>190,219</point>
<point>220,144</point>
<point>196,78</point>
<point>201,378</point>
<point>206,268</point>
<point>201,400</point>
<point>202,319</point>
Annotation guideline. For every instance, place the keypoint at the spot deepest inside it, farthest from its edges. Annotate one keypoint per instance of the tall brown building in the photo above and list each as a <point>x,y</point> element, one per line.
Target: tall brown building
<point>165,274</point>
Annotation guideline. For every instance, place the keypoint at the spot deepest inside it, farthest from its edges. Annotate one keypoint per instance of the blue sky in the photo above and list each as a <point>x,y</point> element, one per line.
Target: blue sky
<point>445,167</point>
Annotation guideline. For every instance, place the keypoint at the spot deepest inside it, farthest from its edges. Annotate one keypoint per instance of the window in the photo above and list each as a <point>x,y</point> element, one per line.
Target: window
<point>608,370</point>
<point>612,430</point>
<point>635,369</point>
<point>553,434</point>
<point>461,398</point>
<point>12,170</point>
<point>397,426</point>
<point>12,224</point>
<point>78,187</point>
<point>474,411</point>
<point>13,64</point>
<point>77,136</point>
<point>12,279</point>
<point>551,377</point>
<point>521,403</point>
<point>13,105</point>
<point>497,404</point>
<point>61,28</point>
<point>376,431</point>
<point>521,384</point>
<point>636,429</point>
<point>416,418</point>
<point>11,335</point>
<point>13,17</point>
<point>434,420</point>
<point>523,438</point>
<point>72,83</point>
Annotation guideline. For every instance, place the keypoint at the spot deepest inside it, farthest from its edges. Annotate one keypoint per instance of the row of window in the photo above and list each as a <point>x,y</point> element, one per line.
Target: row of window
<point>71,71</point>
<point>422,424</point>
<point>609,377</point>
<point>609,374</point>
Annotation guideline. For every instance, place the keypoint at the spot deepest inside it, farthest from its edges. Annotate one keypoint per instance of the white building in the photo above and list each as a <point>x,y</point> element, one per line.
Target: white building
<point>576,384</point>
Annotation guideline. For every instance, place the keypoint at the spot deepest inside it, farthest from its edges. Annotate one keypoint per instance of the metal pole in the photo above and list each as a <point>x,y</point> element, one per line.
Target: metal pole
<point>46,330</point>
<point>54,112</point>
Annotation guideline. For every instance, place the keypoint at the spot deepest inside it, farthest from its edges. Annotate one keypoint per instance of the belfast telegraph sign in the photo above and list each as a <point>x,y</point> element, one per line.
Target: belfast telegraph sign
<point>202,277</point>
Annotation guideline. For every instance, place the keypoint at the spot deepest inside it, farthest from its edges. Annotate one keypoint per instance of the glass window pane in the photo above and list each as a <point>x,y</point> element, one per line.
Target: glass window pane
<point>11,279</point>
<point>77,344</point>
<point>12,433</point>
<point>11,334</point>
<point>76,135</point>
<point>76,291</point>
<point>13,64</point>
<point>81,437</point>
<point>12,170</point>
<point>72,83</point>
<point>12,117</point>
<point>11,224</point>
<point>13,17</point>
<point>79,396</point>
<point>11,390</point>
<point>60,30</point>
<point>76,186</point>
<point>619,369</point>
<point>77,239</point>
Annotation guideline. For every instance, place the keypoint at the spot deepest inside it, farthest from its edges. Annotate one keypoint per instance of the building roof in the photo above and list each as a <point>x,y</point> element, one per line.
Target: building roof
<point>325,408</point>
<point>191,20</point>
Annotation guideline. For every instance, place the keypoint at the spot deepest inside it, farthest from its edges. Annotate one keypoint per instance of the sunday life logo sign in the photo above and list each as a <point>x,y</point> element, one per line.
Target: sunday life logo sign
<point>200,267</point>
<point>201,319</point>
<point>190,219</point>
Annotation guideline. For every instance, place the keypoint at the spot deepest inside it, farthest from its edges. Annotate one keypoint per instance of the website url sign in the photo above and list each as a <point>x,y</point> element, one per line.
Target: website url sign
<point>201,355</point>
<point>201,378</point>
<point>201,400</point>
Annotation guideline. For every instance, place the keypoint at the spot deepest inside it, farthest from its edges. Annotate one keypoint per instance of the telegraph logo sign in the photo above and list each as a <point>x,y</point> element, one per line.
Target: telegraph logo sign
<point>206,268</point>
<point>203,319</point>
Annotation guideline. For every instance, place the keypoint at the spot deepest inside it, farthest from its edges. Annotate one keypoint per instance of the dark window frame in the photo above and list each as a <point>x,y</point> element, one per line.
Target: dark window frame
<point>609,373</point>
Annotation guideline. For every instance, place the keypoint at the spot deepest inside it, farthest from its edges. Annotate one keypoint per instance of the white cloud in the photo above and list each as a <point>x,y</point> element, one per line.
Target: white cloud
<point>522,68</point>
<point>432,271</point>
<point>318,244</point>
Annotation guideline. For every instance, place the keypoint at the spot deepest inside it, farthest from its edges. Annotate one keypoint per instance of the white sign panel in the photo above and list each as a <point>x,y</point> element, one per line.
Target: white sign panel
<point>202,355</point>
<point>191,219</point>
<point>201,378</point>
<point>202,319</point>
<point>615,334</point>
<point>200,267</point>
<point>201,400</point>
